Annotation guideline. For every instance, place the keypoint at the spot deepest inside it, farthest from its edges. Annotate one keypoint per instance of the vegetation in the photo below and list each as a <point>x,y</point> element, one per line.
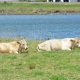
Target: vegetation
<point>38,8</point>
<point>34,65</point>
<point>32,0</point>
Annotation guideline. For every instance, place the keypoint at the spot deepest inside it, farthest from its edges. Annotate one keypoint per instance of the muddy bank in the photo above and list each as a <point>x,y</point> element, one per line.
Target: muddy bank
<point>55,12</point>
<point>38,11</point>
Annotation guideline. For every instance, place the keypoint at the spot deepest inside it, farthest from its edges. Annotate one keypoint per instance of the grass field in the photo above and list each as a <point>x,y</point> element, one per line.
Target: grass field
<point>38,8</point>
<point>33,65</point>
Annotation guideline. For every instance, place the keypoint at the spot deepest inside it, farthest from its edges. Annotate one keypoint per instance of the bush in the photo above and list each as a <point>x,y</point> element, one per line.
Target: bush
<point>5,2</point>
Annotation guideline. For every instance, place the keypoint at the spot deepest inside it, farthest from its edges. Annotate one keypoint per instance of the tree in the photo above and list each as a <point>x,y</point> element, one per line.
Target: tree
<point>40,0</point>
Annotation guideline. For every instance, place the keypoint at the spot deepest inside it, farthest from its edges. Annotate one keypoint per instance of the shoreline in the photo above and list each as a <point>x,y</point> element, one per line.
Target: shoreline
<point>53,13</point>
<point>44,14</point>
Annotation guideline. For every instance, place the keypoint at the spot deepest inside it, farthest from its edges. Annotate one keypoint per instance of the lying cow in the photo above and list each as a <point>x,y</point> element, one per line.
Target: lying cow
<point>59,44</point>
<point>13,47</point>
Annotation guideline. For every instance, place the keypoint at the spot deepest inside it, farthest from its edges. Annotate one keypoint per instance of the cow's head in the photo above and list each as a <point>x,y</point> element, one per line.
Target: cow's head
<point>23,44</point>
<point>76,42</point>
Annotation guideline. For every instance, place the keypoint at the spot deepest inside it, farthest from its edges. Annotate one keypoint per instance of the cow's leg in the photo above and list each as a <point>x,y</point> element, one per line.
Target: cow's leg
<point>10,52</point>
<point>69,49</point>
<point>16,52</point>
<point>13,52</point>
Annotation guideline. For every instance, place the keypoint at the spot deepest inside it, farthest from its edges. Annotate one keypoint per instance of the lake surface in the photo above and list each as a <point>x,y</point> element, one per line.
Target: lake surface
<point>39,26</point>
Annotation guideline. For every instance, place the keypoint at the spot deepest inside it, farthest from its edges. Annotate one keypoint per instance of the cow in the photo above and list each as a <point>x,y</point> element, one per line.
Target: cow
<point>13,47</point>
<point>59,44</point>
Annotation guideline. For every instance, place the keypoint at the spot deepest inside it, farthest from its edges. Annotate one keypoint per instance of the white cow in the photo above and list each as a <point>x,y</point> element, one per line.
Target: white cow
<point>13,47</point>
<point>58,44</point>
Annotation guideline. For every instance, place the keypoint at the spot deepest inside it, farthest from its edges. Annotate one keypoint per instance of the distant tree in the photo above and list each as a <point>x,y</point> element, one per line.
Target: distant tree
<point>24,0</point>
<point>33,0</point>
<point>40,0</point>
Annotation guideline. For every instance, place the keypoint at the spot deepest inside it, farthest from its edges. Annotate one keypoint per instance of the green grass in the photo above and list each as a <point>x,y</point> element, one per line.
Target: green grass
<point>38,8</point>
<point>34,65</point>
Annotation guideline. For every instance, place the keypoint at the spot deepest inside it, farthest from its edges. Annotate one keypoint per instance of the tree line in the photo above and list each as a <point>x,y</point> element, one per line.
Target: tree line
<point>33,0</point>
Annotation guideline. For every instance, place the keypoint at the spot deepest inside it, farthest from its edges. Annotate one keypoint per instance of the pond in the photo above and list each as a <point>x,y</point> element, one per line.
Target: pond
<point>40,26</point>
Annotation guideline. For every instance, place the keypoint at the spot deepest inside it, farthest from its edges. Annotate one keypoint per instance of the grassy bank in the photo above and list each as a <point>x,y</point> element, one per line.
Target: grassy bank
<point>38,8</point>
<point>56,65</point>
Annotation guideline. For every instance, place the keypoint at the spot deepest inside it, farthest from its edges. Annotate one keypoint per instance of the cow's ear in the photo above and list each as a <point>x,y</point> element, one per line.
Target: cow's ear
<point>72,40</point>
<point>18,42</point>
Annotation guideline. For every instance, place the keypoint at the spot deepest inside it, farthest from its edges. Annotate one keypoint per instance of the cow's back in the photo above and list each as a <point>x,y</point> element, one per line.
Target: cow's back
<point>55,44</point>
<point>4,47</point>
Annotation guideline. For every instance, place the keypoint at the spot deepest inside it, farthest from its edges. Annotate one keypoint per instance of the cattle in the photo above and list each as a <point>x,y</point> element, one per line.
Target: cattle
<point>59,44</point>
<point>13,47</point>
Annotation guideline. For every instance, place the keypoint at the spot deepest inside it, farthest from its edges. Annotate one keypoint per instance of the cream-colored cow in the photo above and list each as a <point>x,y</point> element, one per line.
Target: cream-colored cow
<point>13,47</point>
<point>59,44</point>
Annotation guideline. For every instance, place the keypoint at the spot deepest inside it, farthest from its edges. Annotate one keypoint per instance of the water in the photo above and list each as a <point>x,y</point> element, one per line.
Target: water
<point>39,26</point>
